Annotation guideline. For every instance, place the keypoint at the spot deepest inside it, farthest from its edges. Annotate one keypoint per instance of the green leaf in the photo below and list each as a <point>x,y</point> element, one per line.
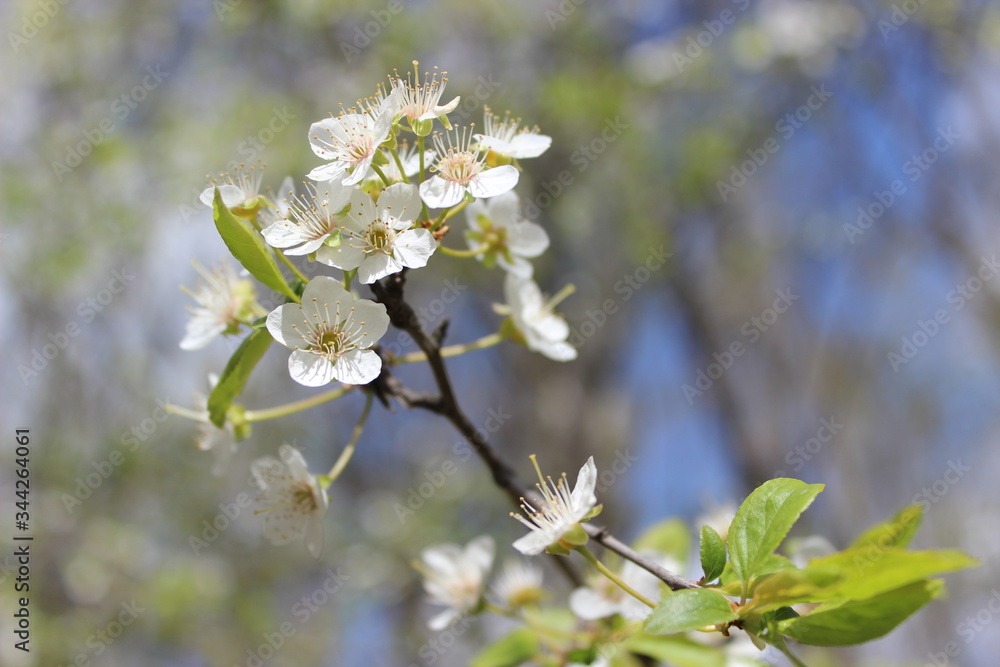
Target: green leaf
<point>670,537</point>
<point>508,651</point>
<point>896,532</point>
<point>236,373</point>
<point>249,248</point>
<point>675,650</point>
<point>713,553</point>
<point>686,610</point>
<point>855,574</point>
<point>763,521</point>
<point>858,622</point>
<point>869,572</point>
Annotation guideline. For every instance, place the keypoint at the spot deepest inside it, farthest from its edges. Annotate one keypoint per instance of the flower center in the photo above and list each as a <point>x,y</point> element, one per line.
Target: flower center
<point>378,238</point>
<point>303,498</point>
<point>460,167</point>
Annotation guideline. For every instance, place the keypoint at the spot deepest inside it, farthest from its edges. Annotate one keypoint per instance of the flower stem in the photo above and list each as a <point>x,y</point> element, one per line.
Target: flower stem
<point>472,252</point>
<point>420,151</point>
<point>378,170</point>
<point>345,456</point>
<point>297,406</point>
<point>288,263</point>
<point>185,412</point>
<point>602,568</point>
<point>399,164</point>
<point>452,350</point>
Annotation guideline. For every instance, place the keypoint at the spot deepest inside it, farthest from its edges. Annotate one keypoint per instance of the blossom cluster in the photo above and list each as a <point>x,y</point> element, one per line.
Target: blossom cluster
<point>393,175</point>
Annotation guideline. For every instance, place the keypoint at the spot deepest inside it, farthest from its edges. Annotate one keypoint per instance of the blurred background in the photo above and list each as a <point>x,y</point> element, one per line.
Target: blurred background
<point>780,218</point>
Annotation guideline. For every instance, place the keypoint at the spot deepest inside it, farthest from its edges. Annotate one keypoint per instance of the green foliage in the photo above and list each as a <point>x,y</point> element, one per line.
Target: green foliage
<point>857,622</point>
<point>686,610</point>
<point>249,248</point>
<point>713,553</point>
<point>763,521</point>
<point>234,377</point>
<point>675,650</point>
<point>510,650</point>
<point>896,532</point>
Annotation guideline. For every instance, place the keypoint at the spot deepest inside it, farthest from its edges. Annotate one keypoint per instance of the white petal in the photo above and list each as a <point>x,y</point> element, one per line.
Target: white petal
<point>333,171</point>
<point>363,211</point>
<point>295,461</point>
<point>583,493</point>
<point>201,333</point>
<point>414,247</point>
<point>310,369</point>
<point>312,245</point>
<point>444,619</point>
<point>556,351</point>
<point>402,201</point>
<point>493,182</point>
<point>284,234</point>
<point>535,542</point>
<point>280,323</point>
<point>315,535</point>
<point>361,170</point>
<point>373,319</point>
<point>472,214</point>
<point>378,265</point>
<point>527,239</point>
<point>322,134</point>
<point>480,552</point>
<point>358,367</point>
<point>519,266</point>
<point>346,256</point>
<point>529,144</point>
<point>326,290</point>
<point>231,196</point>
<point>590,605</point>
<point>440,110</point>
<point>505,209</point>
<point>439,192</point>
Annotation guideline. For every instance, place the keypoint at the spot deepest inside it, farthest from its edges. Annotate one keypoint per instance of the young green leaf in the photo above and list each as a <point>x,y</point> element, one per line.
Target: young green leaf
<point>763,521</point>
<point>236,373</point>
<point>896,532</point>
<point>713,553</point>
<point>686,610</point>
<point>249,248</point>
<point>858,622</point>
<point>508,651</point>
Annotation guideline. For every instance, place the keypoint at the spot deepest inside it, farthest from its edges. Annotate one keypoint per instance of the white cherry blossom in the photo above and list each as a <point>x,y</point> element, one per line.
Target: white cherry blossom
<point>376,239</point>
<point>330,334</point>
<point>349,141</point>
<point>502,137</point>
<point>543,331</point>
<point>291,500</point>
<point>225,301</point>
<point>559,510</point>
<point>509,239</point>
<point>456,577</point>
<point>419,101</point>
<point>460,169</point>
<point>311,222</point>
<point>238,189</point>
<point>519,583</point>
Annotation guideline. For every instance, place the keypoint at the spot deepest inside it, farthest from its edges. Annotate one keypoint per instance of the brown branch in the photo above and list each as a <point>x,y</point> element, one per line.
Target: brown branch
<point>389,292</point>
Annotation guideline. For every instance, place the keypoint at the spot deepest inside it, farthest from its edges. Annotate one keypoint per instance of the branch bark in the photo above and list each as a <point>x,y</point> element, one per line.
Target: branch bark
<point>389,292</point>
